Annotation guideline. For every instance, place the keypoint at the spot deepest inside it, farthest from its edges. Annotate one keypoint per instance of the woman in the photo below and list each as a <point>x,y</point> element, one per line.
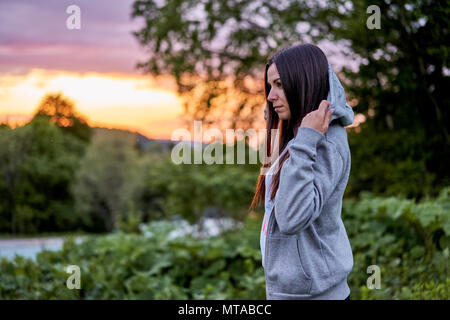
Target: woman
<point>304,244</point>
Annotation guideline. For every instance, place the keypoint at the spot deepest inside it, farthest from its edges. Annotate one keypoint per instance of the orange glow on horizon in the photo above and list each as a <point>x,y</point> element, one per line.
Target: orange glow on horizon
<point>133,102</point>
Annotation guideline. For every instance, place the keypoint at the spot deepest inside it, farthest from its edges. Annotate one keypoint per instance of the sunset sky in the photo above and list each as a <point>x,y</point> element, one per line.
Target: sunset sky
<point>93,66</point>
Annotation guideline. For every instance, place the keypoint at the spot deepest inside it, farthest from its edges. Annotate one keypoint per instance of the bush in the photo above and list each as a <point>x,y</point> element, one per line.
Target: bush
<point>409,242</point>
<point>130,266</point>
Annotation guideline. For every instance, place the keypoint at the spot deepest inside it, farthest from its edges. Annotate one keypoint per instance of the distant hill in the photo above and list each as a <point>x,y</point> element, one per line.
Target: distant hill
<point>15,119</point>
<point>144,142</point>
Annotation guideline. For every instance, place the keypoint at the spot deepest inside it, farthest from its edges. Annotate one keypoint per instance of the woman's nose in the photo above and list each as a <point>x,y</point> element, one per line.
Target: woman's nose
<point>272,96</point>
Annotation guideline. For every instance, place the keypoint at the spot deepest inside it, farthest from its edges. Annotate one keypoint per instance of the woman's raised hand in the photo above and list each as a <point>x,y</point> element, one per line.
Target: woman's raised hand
<point>318,119</point>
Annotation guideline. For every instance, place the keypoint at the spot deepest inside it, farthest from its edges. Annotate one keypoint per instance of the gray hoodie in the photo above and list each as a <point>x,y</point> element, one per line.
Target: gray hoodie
<point>305,248</point>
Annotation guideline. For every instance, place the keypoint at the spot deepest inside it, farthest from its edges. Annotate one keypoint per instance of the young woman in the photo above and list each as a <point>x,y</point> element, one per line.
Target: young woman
<point>304,244</point>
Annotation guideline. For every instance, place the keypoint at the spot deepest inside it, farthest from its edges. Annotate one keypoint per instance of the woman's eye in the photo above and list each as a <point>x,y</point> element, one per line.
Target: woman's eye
<point>278,84</point>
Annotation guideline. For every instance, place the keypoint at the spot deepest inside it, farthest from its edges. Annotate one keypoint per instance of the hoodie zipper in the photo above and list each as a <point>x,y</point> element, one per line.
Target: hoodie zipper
<point>269,226</point>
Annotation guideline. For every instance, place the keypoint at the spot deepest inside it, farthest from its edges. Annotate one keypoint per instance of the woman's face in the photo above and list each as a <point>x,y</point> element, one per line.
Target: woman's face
<point>276,94</point>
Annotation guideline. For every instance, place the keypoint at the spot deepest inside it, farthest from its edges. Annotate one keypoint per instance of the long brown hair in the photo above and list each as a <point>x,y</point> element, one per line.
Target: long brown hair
<point>303,73</point>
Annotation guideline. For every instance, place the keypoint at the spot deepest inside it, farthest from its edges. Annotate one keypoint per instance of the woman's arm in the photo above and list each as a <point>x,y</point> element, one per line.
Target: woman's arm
<point>307,179</point>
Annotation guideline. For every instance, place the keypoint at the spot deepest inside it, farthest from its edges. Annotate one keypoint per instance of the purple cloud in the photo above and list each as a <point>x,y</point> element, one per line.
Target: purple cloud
<point>34,34</point>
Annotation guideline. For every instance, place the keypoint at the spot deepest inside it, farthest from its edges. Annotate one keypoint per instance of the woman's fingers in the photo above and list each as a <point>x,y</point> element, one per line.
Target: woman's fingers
<point>318,119</point>
<point>325,115</point>
<point>328,116</point>
<point>323,107</point>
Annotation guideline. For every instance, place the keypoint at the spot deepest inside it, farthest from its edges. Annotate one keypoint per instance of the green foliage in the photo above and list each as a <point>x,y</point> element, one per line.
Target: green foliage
<point>190,189</point>
<point>129,222</point>
<point>37,164</point>
<point>407,240</point>
<point>431,291</point>
<point>129,266</point>
<point>61,111</point>
<point>393,233</point>
<point>391,163</point>
<point>105,179</point>
<point>401,87</point>
<point>109,184</point>
<point>396,76</point>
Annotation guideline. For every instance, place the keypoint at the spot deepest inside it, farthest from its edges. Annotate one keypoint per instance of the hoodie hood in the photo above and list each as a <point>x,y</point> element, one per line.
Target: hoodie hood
<point>342,111</point>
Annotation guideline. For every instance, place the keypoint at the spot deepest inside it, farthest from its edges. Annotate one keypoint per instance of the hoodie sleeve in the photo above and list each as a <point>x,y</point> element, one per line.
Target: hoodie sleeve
<point>307,179</point>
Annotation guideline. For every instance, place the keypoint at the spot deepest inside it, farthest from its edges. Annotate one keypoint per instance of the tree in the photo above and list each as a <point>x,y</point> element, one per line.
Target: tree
<point>400,83</point>
<point>37,165</point>
<point>216,73</point>
<point>102,184</point>
<point>401,88</point>
<point>15,146</point>
<point>61,111</point>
